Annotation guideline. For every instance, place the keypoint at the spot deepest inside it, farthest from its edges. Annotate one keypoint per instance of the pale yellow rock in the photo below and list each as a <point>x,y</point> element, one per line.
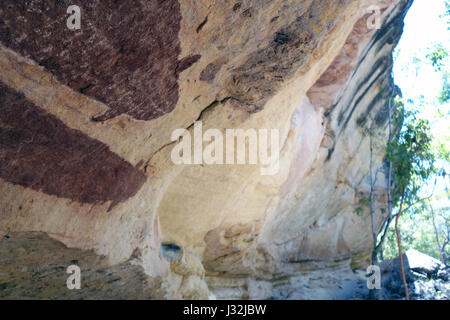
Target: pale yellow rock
<point>241,234</point>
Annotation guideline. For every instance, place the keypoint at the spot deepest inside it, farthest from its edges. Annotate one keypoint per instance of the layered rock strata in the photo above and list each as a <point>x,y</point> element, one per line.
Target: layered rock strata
<point>85,145</point>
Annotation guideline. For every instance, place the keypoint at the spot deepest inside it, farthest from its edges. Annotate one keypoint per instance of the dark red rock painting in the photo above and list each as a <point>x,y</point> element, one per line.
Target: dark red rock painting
<point>125,54</point>
<point>40,152</point>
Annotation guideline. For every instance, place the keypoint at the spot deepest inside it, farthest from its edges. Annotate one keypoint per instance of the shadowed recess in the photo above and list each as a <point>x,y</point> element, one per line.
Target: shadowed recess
<point>40,152</point>
<point>125,54</point>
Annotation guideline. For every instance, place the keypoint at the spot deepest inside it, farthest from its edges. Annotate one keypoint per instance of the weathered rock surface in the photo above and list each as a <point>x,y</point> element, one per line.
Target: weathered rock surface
<point>422,263</point>
<point>86,118</point>
<point>34,267</point>
<point>426,277</point>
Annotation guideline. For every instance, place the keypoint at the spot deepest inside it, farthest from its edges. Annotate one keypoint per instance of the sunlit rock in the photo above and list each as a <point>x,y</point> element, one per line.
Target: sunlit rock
<point>85,153</point>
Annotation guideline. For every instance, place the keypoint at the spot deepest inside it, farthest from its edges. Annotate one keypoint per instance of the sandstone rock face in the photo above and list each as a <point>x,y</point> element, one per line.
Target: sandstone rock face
<point>85,145</point>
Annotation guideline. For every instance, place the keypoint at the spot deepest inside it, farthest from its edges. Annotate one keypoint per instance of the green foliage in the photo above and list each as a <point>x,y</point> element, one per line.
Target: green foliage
<point>364,203</point>
<point>417,231</point>
<point>438,56</point>
<point>359,211</point>
<point>415,154</point>
<point>411,155</point>
<point>439,59</point>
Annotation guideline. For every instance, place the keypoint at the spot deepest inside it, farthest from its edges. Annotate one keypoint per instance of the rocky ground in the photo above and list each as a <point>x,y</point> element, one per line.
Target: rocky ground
<point>427,278</point>
<point>34,266</point>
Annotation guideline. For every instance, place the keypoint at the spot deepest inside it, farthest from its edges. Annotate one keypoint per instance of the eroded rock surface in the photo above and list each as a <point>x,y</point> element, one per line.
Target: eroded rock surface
<point>85,143</point>
<point>426,277</point>
<point>34,266</point>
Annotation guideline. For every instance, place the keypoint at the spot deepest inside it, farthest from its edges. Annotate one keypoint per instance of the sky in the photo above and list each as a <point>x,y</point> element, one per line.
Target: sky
<point>423,28</point>
<point>417,78</point>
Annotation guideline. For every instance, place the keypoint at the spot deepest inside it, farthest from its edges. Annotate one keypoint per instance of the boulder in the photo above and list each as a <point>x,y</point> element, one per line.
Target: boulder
<point>423,263</point>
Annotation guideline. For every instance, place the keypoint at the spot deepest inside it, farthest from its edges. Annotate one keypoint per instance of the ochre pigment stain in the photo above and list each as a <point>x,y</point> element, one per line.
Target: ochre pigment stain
<point>40,152</point>
<point>125,54</point>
